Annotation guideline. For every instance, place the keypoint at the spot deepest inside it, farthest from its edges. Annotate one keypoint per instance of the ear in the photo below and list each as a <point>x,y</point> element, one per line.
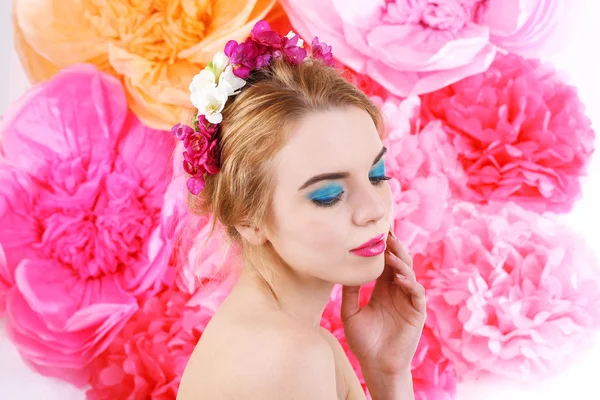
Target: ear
<point>252,234</point>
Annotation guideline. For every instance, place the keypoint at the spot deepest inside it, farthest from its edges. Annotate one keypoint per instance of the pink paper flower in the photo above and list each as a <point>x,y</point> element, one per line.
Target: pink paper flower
<point>81,193</point>
<point>423,169</point>
<point>147,359</point>
<point>418,46</point>
<point>6,281</point>
<point>510,292</point>
<point>520,133</point>
<point>434,376</point>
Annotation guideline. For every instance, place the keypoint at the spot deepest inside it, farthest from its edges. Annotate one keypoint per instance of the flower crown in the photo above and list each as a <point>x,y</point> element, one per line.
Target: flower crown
<point>224,77</point>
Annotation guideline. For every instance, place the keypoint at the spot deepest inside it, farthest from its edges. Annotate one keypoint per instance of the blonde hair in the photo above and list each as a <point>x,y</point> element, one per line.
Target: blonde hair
<point>256,125</point>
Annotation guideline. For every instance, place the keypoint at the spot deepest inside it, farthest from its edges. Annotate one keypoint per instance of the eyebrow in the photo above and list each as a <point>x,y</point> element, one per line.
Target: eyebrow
<point>337,175</point>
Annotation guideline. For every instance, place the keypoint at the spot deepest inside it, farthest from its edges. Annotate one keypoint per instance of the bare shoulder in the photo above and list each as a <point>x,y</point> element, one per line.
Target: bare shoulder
<point>263,360</point>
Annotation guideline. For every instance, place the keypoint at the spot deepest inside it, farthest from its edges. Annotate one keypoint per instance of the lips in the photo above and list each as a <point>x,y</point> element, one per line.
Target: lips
<point>372,248</point>
<point>370,243</point>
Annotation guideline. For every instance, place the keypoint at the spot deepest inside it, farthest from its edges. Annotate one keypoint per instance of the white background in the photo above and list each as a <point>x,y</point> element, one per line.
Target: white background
<point>580,60</point>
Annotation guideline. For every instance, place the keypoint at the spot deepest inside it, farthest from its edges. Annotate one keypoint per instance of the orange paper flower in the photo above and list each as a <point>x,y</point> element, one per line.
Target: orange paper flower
<point>154,46</point>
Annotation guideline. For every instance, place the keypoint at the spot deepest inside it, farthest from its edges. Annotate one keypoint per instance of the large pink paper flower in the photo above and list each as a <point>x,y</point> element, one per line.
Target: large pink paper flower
<point>417,46</point>
<point>423,169</point>
<point>146,360</point>
<point>520,133</point>
<point>510,292</point>
<point>81,193</point>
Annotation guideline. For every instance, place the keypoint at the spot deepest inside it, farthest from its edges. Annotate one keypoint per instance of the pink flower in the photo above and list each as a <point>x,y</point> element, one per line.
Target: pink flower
<point>147,359</point>
<point>418,46</point>
<point>434,377</point>
<point>80,208</point>
<point>520,133</point>
<point>423,169</point>
<point>530,28</point>
<point>6,281</point>
<point>510,292</point>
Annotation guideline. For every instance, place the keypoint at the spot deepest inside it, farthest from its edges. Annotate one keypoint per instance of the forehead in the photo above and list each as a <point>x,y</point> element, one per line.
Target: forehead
<point>343,140</point>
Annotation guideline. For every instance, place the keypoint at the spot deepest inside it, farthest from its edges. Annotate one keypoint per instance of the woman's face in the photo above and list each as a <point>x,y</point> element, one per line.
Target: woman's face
<point>331,197</point>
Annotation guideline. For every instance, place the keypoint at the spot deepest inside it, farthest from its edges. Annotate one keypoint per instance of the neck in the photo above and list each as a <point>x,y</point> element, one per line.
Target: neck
<point>300,298</point>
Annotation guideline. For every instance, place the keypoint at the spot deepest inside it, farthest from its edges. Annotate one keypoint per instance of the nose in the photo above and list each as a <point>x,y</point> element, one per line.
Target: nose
<point>369,206</point>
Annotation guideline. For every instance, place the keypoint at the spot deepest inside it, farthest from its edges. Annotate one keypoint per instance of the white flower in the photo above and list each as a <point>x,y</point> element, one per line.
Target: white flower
<point>206,78</point>
<point>210,101</point>
<point>219,62</point>
<point>230,82</point>
<point>291,34</point>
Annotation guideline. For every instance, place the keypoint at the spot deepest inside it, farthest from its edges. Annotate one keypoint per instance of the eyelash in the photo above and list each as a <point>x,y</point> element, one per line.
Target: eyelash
<point>376,181</point>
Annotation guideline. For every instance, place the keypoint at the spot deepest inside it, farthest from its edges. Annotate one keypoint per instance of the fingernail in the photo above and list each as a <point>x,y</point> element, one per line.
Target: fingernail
<point>392,234</point>
<point>400,276</point>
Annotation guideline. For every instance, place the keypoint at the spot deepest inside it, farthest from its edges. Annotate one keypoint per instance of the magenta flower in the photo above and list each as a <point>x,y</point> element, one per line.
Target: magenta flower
<point>265,36</point>
<point>242,56</point>
<point>293,53</point>
<point>520,132</point>
<point>321,51</point>
<point>510,292</point>
<point>81,190</point>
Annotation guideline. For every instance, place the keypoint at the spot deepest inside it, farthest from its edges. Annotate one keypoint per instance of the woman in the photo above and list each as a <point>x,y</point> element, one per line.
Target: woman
<point>287,156</point>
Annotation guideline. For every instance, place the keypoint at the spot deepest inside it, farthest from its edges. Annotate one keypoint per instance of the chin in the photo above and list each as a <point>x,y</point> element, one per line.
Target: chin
<point>368,269</point>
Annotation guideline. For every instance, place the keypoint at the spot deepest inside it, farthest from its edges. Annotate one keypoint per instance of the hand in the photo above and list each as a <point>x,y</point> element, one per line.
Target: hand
<point>385,333</point>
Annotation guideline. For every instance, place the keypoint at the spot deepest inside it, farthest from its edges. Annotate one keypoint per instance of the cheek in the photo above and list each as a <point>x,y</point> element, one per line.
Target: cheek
<point>311,237</point>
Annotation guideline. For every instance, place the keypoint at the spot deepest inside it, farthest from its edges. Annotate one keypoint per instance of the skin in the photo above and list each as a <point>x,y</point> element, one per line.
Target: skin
<point>313,243</point>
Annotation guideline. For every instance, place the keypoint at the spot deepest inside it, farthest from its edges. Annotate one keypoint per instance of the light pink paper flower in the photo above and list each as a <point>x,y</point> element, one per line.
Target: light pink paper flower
<point>520,133</point>
<point>434,376</point>
<point>423,169</point>
<point>530,28</point>
<point>510,292</point>
<point>418,46</point>
<point>80,209</point>
<point>147,359</point>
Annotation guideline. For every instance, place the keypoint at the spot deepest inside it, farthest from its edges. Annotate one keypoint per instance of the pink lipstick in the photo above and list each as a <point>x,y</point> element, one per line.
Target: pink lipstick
<point>372,248</point>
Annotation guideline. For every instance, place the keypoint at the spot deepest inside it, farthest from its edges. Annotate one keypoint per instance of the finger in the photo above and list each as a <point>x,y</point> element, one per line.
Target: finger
<point>398,249</point>
<point>350,301</point>
<point>416,291</point>
<point>400,267</point>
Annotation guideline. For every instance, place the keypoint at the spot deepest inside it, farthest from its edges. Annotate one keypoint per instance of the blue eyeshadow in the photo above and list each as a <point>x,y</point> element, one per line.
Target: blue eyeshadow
<point>378,170</point>
<point>326,192</point>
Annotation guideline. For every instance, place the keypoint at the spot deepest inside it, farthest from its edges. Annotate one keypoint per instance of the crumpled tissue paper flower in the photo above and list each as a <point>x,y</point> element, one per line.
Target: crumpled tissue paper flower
<point>520,132</point>
<point>154,47</point>
<point>510,292</point>
<point>81,190</point>
<point>147,359</point>
<point>413,47</point>
<point>423,169</point>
